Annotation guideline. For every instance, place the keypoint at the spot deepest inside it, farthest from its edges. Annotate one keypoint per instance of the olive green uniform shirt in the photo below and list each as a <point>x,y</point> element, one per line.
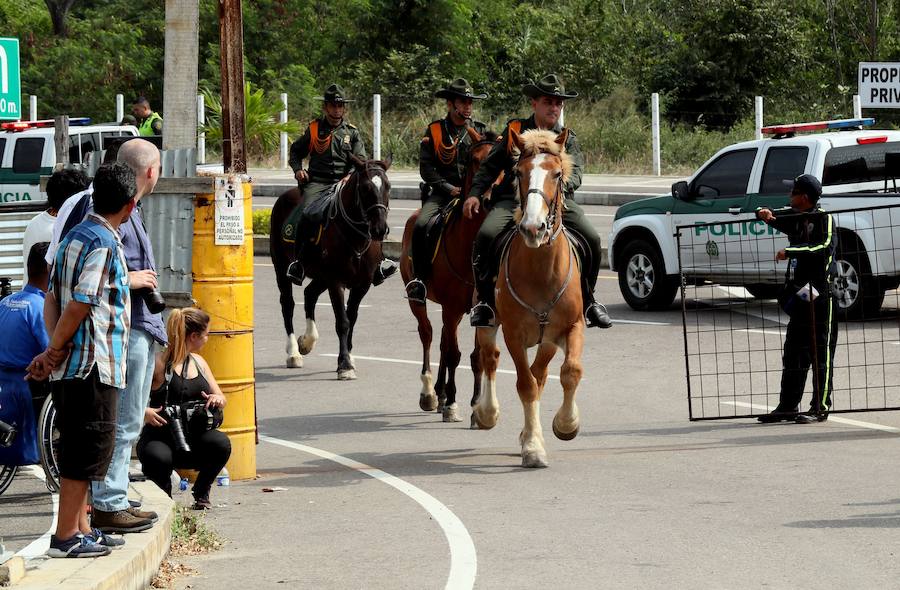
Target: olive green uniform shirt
<point>439,176</point>
<point>334,163</point>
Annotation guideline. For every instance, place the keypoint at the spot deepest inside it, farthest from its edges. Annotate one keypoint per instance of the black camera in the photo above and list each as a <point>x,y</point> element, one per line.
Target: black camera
<point>7,434</point>
<point>156,303</point>
<point>191,419</point>
<point>174,415</point>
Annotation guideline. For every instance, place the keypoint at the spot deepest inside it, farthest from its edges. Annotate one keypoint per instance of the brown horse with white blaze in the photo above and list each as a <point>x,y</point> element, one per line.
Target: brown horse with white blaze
<point>538,298</point>
<point>450,285</point>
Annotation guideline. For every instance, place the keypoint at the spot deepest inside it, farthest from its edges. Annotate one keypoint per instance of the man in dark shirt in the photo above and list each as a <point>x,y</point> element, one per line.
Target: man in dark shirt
<point>443,156</point>
<point>812,328</point>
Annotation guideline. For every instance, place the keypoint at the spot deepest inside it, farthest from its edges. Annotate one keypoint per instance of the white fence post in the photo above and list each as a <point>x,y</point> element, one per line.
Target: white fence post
<point>562,116</point>
<point>857,107</point>
<point>120,108</point>
<point>759,117</point>
<point>657,165</point>
<point>376,126</point>
<point>284,136</point>
<point>201,136</point>
<point>32,108</point>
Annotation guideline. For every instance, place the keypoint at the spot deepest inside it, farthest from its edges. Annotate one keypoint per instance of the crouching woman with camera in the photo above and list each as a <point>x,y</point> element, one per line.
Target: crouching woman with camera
<point>181,424</point>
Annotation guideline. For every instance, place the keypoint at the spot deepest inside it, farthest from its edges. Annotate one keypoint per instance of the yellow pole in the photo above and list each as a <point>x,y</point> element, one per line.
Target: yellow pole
<point>223,288</point>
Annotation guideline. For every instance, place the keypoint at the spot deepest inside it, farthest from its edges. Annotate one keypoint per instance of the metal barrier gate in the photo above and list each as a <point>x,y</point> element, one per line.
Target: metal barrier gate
<point>734,327</point>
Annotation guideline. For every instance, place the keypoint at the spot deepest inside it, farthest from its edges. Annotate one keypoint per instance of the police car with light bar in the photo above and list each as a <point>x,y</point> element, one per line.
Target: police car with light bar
<point>27,152</point>
<point>858,169</point>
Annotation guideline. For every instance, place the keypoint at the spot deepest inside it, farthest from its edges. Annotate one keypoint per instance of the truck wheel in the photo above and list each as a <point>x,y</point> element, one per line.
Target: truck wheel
<point>642,278</point>
<point>764,291</point>
<point>857,292</point>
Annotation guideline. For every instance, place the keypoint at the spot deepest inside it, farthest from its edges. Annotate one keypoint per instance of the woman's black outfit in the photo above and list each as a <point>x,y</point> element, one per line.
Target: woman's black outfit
<point>156,447</point>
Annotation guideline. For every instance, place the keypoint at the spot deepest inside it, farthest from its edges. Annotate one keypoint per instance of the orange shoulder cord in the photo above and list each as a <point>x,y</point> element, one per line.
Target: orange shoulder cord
<point>445,153</point>
<point>315,144</point>
<point>514,125</point>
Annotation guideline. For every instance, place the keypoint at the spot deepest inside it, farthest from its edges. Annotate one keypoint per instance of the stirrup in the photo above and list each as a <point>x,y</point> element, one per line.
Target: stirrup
<point>596,316</point>
<point>295,272</point>
<point>482,316</point>
<point>385,269</point>
<point>416,291</point>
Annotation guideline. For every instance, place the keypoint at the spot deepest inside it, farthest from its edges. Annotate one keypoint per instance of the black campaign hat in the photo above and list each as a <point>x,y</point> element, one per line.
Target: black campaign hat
<point>334,93</point>
<point>459,88</point>
<point>549,85</point>
<point>806,184</point>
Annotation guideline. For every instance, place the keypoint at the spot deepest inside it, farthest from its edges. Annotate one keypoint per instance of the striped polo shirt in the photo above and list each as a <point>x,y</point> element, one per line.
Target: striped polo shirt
<point>90,268</point>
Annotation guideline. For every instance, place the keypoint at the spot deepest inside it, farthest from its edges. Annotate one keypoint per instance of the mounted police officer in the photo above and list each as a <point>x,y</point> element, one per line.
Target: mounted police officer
<point>443,156</point>
<point>329,142</point>
<point>547,97</point>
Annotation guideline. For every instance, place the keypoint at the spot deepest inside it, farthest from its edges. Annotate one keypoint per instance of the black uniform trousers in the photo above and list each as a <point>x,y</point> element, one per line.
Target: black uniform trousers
<point>816,322</point>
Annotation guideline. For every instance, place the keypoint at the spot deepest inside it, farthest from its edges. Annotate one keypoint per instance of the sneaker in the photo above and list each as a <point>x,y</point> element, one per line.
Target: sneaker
<point>385,269</point>
<point>202,503</point>
<point>76,546</point>
<point>295,272</point>
<point>120,521</point>
<point>482,316</point>
<point>596,316</point>
<point>105,540</point>
<point>416,291</point>
<point>145,514</point>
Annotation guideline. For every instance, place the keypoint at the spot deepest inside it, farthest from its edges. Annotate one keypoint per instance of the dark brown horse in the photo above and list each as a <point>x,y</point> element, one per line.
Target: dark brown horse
<point>450,285</point>
<point>348,252</point>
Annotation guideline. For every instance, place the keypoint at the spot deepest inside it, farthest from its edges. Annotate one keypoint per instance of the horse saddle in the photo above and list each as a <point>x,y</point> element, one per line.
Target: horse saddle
<point>310,220</point>
<point>577,242</point>
<point>435,226</point>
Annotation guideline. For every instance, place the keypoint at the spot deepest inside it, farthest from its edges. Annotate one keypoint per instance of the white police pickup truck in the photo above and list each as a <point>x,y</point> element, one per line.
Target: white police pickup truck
<point>857,168</point>
<point>27,152</point>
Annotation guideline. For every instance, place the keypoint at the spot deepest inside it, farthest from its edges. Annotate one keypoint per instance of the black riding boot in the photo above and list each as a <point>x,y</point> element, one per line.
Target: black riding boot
<point>295,270</point>
<point>482,315</point>
<point>595,314</point>
<point>416,290</point>
<point>386,268</point>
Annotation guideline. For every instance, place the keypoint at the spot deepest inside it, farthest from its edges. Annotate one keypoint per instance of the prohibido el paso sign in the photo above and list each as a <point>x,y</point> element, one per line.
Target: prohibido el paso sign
<point>229,211</point>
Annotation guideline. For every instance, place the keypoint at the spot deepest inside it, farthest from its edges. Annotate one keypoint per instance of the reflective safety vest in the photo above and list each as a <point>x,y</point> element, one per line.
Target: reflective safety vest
<point>146,127</point>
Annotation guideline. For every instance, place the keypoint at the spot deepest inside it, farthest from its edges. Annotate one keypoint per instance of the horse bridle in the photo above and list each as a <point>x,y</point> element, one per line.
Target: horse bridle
<point>355,224</point>
<point>553,206</point>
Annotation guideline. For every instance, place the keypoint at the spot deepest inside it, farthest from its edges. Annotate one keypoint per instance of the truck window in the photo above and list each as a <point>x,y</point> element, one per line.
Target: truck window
<point>2,149</point>
<point>27,155</point>
<point>857,163</point>
<point>782,163</point>
<point>80,145</point>
<point>727,176</point>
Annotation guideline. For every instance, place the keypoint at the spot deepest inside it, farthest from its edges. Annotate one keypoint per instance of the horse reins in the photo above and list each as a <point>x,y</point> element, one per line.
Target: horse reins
<point>356,224</point>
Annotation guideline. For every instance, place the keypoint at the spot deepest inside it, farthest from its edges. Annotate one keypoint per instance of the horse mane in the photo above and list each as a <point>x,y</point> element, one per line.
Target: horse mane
<point>541,141</point>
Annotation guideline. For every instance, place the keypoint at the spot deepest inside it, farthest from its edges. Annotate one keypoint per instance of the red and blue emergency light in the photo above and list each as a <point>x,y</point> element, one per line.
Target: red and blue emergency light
<point>817,126</point>
<point>23,125</point>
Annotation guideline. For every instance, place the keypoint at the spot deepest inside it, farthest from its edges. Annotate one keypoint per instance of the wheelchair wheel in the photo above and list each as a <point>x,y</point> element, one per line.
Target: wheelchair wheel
<point>49,443</point>
<point>7,473</point>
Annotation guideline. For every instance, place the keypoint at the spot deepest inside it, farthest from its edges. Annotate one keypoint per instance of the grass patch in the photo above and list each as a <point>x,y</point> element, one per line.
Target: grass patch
<point>191,535</point>
<point>261,221</point>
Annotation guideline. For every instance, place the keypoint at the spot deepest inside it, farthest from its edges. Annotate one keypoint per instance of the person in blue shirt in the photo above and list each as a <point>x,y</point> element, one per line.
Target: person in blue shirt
<point>22,320</point>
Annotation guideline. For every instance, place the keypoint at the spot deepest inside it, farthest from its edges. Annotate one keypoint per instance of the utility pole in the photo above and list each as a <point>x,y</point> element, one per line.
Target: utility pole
<point>180,75</point>
<point>231,41</point>
<point>873,30</point>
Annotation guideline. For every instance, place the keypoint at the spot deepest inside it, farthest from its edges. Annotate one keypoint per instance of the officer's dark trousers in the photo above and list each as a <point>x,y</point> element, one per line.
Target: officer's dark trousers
<point>422,252</point>
<point>500,218</point>
<point>312,192</point>
<point>802,329</point>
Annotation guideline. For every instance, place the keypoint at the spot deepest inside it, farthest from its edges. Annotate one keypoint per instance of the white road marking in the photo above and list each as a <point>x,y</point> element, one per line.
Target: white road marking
<point>831,418</point>
<point>409,362</point>
<point>463,559</point>
<point>641,322</point>
<point>754,331</point>
<point>39,546</point>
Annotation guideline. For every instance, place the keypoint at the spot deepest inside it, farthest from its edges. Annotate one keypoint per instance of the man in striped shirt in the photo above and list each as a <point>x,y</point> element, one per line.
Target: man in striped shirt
<point>89,330</point>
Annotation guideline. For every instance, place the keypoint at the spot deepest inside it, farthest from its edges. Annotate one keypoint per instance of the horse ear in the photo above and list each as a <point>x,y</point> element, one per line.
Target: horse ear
<point>516,138</point>
<point>476,137</point>
<point>387,161</point>
<point>562,137</point>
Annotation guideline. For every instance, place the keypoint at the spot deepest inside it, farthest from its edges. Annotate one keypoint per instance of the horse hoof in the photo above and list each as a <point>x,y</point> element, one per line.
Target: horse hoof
<point>450,414</point>
<point>428,402</point>
<point>534,459</point>
<point>346,375</point>
<point>482,425</point>
<point>306,346</point>
<point>295,362</point>
<point>565,435</point>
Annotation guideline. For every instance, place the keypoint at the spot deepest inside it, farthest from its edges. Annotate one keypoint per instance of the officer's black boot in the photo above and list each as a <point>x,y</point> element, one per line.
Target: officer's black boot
<point>482,315</point>
<point>595,314</point>
<point>386,268</point>
<point>295,272</point>
<point>416,291</point>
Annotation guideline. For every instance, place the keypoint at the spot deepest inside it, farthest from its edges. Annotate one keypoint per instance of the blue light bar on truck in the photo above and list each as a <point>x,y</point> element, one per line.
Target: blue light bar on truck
<point>818,126</point>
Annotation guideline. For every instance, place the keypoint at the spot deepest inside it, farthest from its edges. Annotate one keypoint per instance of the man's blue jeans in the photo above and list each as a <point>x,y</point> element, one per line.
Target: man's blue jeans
<point>111,494</point>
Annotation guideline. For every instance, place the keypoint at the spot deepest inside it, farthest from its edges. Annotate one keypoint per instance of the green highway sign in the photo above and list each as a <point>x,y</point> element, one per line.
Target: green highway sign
<point>10,85</point>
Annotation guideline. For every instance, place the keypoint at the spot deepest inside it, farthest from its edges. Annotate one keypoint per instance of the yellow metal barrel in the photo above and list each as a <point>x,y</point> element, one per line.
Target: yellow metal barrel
<point>223,288</point>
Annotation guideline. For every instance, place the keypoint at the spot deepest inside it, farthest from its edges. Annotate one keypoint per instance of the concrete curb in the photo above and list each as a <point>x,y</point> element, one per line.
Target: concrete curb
<point>131,567</point>
<point>391,249</point>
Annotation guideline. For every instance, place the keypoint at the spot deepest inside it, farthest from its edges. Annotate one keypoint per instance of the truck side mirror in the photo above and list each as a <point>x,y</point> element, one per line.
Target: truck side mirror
<point>681,190</point>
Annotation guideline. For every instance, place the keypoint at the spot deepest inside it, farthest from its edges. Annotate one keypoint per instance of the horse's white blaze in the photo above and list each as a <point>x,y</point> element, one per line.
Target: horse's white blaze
<point>376,180</point>
<point>534,214</point>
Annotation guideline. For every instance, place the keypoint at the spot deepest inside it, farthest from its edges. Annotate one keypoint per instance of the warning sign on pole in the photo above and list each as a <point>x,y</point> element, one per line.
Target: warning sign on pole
<point>229,211</point>
<point>879,85</point>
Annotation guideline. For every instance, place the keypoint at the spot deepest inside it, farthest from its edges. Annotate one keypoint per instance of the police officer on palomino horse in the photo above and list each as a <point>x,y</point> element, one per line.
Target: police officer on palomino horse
<point>330,142</point>
<point>443,155</point>
<point>547,97</point>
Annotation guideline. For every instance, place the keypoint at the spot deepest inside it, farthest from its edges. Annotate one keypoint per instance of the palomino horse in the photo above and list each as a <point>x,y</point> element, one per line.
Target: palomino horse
<point>451,284</point>
<point>348,252</point>
<point>538,298</point>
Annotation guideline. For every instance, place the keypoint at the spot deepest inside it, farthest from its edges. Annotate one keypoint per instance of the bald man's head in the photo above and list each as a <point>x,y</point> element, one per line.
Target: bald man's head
<point>143,158</point>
